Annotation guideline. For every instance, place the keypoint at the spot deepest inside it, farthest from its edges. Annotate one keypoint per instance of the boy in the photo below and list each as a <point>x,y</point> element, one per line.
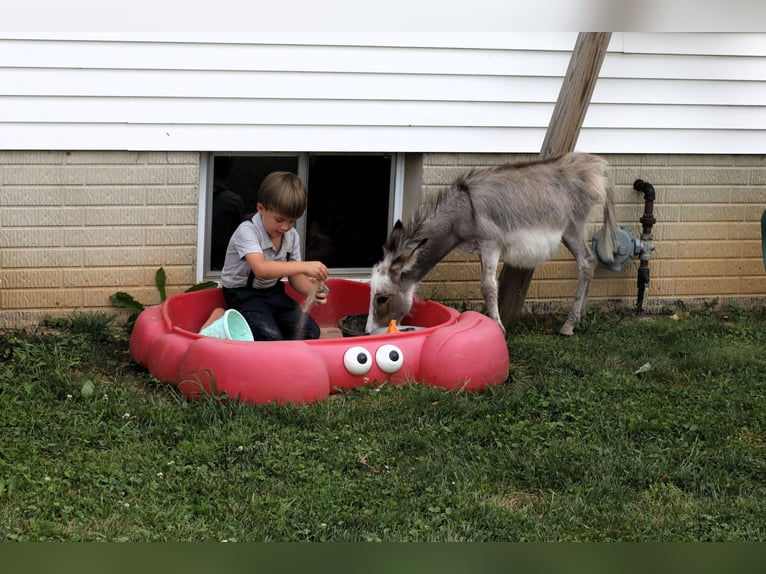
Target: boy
<point>262,250</point>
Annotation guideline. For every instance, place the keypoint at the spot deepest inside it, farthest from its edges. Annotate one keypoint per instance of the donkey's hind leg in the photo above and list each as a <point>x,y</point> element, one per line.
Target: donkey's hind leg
<point>490,257</point>
<point>586,264</point>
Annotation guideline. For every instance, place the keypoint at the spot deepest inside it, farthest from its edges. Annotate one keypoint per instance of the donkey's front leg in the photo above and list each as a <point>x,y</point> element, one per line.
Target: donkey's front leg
<point>490,256</point>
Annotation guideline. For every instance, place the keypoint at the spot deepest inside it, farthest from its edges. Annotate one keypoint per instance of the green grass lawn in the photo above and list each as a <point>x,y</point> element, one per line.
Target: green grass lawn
<point>575,446</point>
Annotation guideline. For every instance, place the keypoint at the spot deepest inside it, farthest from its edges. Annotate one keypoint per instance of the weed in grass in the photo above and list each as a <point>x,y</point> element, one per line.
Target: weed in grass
<point>96,325</point>
<point>124,300</point>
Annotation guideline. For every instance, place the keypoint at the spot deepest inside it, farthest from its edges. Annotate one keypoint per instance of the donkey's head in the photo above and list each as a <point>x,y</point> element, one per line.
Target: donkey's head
<point>393,283</point>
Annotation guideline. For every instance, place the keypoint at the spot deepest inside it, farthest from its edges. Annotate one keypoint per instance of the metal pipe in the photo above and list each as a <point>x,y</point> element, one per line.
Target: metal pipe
<point>646,245</point>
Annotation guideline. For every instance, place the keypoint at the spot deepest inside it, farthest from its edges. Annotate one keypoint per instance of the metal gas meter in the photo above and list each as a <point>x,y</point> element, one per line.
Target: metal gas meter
<point>627,246</point>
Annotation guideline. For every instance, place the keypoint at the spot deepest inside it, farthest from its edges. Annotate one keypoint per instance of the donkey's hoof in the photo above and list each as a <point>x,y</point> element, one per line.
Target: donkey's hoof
<point>566,331</point>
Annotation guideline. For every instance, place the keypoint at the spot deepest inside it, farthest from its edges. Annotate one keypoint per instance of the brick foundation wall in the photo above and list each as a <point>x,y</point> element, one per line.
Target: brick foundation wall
<point>76,227</point>
<point>707,234</point>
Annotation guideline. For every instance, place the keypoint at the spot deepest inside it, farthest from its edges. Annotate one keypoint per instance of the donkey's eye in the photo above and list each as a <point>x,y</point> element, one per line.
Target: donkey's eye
<point>382,300</point>
<point>389,358</point>
<point>357,360</point>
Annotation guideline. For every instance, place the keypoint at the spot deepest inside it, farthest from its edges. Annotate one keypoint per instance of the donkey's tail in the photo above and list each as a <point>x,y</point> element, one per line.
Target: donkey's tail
<point>606,246</point>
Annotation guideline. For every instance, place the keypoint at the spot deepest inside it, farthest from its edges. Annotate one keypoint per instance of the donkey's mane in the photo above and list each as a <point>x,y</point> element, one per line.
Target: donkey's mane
<point>426,214</point>
<point>522,164</point>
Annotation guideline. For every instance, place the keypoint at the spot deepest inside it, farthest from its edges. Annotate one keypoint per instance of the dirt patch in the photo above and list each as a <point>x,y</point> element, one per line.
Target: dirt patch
<point>512,500</point>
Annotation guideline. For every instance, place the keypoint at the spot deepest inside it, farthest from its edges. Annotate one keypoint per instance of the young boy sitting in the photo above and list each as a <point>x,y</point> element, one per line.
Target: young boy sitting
<point>262,250</point>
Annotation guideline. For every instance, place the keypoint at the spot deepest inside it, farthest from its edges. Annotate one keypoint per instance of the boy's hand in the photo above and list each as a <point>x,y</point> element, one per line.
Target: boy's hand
<point>317,270</point>
<point>320,296</point>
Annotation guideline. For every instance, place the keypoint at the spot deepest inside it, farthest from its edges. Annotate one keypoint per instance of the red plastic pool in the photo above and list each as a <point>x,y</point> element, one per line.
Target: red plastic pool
<point>453,350</point>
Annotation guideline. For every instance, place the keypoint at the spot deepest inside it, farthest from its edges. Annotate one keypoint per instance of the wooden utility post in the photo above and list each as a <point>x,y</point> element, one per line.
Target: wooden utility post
<point>561,137</point>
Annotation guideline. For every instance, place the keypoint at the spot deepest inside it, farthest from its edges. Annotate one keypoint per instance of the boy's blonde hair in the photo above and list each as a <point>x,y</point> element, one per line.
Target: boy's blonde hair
<point>284,193</point>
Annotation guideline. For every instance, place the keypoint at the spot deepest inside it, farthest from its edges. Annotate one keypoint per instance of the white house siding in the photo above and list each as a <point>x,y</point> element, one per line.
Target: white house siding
<point>100,141</point>
<point>658,93</point>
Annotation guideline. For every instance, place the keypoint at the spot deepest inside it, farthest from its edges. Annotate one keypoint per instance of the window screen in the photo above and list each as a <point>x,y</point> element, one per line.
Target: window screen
<point>349,199</point>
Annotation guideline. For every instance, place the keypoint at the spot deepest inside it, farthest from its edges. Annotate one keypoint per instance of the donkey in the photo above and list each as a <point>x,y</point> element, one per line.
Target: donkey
<point>521,212</point>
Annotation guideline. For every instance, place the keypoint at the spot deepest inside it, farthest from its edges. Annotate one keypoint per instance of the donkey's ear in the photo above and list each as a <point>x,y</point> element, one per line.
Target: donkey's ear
<point>412,249</point>
<point>410,255</point>
<point>395,238</point>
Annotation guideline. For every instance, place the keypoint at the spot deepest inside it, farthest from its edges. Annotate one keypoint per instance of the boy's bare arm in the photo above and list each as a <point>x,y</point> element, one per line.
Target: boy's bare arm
<point>267,269</point>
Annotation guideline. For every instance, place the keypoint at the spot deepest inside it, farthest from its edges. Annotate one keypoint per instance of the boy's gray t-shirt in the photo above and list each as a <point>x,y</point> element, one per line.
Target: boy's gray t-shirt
<point>251,237</point>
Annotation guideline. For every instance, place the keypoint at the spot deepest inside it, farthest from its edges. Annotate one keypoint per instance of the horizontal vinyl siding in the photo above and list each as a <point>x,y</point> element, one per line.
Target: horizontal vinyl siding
<point>482,95</point>
<point>272,111</point>
<point>543,59</point>
<point>299,138</point>
<point>726,43</point>
<point>315,86</point>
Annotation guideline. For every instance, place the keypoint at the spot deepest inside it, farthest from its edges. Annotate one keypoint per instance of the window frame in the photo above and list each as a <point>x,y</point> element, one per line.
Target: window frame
<point>205,203</point>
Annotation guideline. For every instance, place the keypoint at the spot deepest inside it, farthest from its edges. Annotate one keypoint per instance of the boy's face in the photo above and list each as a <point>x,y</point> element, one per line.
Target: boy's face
<point>275,224</point>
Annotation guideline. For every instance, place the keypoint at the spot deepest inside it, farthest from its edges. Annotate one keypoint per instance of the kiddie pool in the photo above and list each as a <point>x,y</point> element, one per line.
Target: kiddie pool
<point>453,350</point>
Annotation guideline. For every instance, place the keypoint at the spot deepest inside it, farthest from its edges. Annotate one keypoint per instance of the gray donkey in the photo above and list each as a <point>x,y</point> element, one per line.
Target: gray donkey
<point>521,212</point>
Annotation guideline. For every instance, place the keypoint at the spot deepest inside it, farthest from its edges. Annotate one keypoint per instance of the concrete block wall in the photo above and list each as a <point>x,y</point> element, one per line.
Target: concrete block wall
<point>707,234</point>
<point>75,227</point>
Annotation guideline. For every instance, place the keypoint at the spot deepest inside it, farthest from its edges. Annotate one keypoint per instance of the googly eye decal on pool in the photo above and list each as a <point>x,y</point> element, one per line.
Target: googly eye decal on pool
<point>389,358</point>
<point>357,360</point>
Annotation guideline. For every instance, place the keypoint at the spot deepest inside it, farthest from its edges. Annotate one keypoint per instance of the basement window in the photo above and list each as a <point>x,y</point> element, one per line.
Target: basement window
<point>352,201</point>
